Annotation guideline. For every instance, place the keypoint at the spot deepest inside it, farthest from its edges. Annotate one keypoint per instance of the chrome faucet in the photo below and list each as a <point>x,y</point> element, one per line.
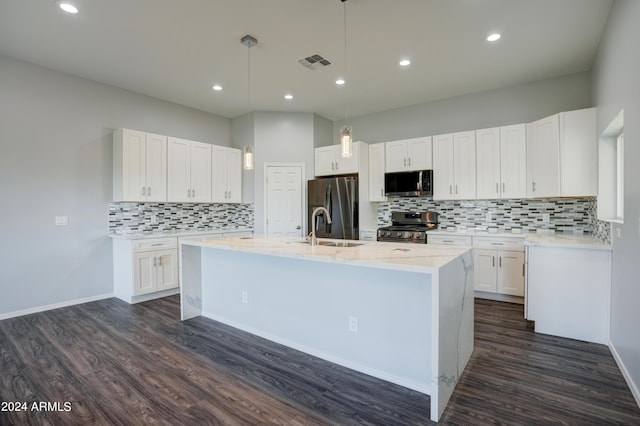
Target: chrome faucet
<point>314,240</point>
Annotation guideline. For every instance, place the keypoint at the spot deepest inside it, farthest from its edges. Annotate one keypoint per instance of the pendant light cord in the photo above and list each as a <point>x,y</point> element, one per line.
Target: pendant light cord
<point>344,95</point>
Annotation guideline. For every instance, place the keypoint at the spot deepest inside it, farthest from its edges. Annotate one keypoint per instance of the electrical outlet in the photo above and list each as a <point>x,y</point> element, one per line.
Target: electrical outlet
<point>546,217</point>
<point>204,218</point>
<point>618,231</point>
<point>353,324</point>
<point>62,220</point>
<point>154,219</point>
<point>488,217</point>
<point>245,297</point>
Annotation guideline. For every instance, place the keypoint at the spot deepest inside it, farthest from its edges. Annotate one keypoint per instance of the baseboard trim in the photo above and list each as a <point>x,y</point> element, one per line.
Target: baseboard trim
<point>407,383</point>
<point>54,306</point>
<point>625,373</point>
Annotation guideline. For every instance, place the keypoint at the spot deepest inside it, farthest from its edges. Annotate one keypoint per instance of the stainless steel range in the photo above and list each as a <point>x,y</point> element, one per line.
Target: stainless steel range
<point>409,227</point>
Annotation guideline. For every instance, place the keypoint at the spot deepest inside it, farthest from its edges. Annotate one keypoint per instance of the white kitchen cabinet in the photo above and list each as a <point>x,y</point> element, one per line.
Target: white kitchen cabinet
<point>501,162</point>
<point>499,266</point>
<point>569,291</point>
<point>329,161</point>
<point>226,174</point>
<point>139,166</point>
<point>454,166</point>
<point>562,155</point>
<point>145,269</point>
<point>188,171</point>
<point>449,240</point>
<point>409,154</point>
<point>376,172</point>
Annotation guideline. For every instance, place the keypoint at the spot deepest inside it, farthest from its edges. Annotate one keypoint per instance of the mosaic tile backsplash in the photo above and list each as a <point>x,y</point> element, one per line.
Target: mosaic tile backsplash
<point>153,217</point>
<point>526,215</point>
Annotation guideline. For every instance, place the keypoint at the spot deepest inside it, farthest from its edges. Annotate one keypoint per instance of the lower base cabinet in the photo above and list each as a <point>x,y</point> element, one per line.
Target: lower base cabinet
<point>499,265</point>
<point>145,269</point>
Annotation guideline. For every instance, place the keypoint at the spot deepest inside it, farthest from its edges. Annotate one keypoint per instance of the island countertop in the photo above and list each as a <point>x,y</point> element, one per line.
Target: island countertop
<point>385,255</point>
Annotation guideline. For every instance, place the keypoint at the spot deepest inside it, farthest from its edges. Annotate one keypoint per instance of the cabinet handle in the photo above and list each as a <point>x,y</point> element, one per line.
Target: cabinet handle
<point>497,190</point>
<point>447,241</point>
<point>381,192</point>
<point>409,161</point>
<point>160,261</point>
<point>450,190</point>
<point>405,162</point>
<point>193,193</point>
<point>143,194</point>
<point>503,187</point>
<point>188,193</point>
<point>533,186</point>
<point>493,261</point>
<point>523,269</point>
<point>336,165</point>
<point>155,263</point>
<point>500,261</point>
<point>456,188</point>
<point>497,244</point>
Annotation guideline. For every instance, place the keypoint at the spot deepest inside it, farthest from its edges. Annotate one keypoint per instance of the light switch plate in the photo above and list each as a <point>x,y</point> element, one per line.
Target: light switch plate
<point>62,220</point>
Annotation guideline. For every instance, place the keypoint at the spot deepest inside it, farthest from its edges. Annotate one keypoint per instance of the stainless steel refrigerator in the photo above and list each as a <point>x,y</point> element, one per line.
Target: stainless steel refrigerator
<point>339,195</point>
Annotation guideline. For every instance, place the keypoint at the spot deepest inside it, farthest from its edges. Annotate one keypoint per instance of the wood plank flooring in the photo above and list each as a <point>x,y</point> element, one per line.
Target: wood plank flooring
<point>121,364</point>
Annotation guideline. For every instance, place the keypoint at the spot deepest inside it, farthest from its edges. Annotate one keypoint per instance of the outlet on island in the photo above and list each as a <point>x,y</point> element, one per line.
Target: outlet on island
<point>245,297</point>
<point>353,324</point>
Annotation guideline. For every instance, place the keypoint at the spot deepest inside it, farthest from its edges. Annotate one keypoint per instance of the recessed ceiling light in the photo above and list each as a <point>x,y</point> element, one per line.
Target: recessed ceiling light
<point>405,62</point>
<point>217,87</point>
<point>340,82</point>
<point>67,6</point>
<point>494,37</point>
<point>288,97</point>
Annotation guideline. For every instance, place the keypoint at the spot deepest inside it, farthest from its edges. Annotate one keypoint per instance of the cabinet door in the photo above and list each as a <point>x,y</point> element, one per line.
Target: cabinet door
<point>395,156</point>
<point>443,177</point>
<point>325,161</point>
<point>234,175</point>
<point>464,165</point>
<point>543,166</point>
<point>178,170</point>
<point>156,167</point>
<point>144,273</point>
<point>219,174</point>
<point>348,164</point>
<point>511,273</point>
<point>488,163</point>
<point>376,173</point>
<point>419,154</point>
<point>200,172</point>
<point>485,270</point>
<point>579,153</point>
<point>513,161</point>
<point>166,269</point>
<point>133,165</point>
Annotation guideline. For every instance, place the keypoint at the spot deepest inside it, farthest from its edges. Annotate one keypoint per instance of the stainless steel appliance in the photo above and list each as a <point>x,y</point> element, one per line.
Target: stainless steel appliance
<point>417,183</point>
<point>339,195</point>
<point>409,227</point>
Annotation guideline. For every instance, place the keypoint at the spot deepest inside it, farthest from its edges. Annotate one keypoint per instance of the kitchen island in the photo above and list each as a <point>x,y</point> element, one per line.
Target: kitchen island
<point>402,313</point>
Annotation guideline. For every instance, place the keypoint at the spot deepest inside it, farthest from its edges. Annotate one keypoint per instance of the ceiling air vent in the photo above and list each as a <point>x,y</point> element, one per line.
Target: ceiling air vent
<point>314,62</point>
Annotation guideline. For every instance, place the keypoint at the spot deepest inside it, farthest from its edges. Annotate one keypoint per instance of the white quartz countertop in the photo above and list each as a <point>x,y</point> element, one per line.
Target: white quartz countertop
<point>385,255</point>
<point>558,239</point>
<point>193,233</point>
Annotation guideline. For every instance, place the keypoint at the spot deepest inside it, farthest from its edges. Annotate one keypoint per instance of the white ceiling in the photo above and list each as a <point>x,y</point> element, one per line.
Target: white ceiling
<point>177,49</point>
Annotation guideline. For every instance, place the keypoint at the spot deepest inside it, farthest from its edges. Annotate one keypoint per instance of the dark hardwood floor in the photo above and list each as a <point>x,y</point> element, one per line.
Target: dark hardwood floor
<point>119,364</point>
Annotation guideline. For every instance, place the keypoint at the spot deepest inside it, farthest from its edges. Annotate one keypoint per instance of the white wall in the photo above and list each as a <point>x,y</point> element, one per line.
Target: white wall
<point>616,86</point>
<point>509,105</point>
<point>55,159</point>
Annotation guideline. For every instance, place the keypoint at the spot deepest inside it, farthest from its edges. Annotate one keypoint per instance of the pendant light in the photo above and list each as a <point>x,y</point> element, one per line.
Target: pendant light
<point>346,141</point>
<point>247,154</point>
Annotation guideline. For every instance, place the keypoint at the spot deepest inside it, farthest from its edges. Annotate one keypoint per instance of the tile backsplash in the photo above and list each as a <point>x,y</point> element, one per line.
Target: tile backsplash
<point>526,215</point>
<point>150,217</point>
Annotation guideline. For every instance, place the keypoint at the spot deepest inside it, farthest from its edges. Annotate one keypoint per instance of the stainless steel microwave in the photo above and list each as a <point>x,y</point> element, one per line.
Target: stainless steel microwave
<point>417,183</point>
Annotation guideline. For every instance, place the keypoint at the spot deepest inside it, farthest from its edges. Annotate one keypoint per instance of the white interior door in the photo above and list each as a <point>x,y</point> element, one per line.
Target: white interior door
<point>284,200</point>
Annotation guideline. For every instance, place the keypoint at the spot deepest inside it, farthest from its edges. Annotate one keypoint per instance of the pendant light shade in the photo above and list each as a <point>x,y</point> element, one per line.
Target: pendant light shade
<point>346,143</point>
<point>247,158</point>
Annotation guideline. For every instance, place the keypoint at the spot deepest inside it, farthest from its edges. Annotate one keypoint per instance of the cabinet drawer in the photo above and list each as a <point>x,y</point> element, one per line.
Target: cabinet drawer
<point>155,244</point>
<point>452,240</point>
<point>516,244</point>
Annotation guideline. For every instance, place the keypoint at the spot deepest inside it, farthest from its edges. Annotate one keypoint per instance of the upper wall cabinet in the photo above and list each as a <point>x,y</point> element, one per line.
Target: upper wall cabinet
<point>188,171</point>
<point>409,154</point>
<point>562,155</point>
<point>454,166</point>
<point>376,172</point>
<point>139,166</point>
<point>226,175</point>
<point>501,161</point>
<point>329,162</point>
